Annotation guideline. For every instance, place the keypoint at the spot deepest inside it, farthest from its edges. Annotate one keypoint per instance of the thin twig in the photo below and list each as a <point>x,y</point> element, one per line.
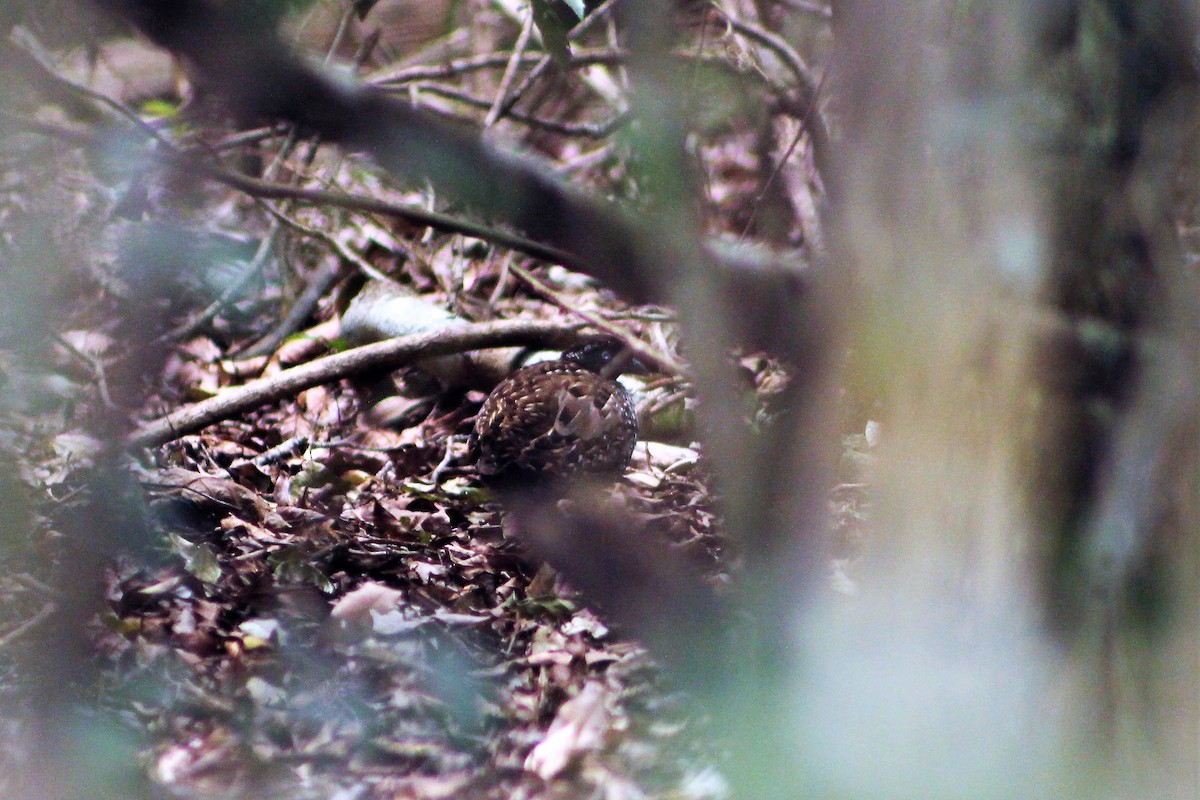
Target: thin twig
<point>809,86</point>
<point>791,59</point>
<point>441,222</point>
<point>95,365</point>
<point>340,34</point>
<point>343,252</point>
<point>461,66</point>
<point>301,310</point>
<point>540,68</point>
<point>804,7</point>
<point>325,277</point>
<point>255,136</point>
<point>232,293</point>
<point>644,353</point>
<point>43,613</point>
<point>756,204</point>
<point>510,70</point>
<point>447,457</point>
<point>593,131</point>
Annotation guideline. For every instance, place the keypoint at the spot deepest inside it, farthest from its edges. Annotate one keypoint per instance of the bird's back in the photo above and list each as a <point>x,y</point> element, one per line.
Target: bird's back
<point>555,419</point>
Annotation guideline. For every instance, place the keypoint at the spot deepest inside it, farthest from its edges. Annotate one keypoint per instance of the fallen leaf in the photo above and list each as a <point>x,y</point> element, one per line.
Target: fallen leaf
<point>371,596</point>
<point>577,729</point>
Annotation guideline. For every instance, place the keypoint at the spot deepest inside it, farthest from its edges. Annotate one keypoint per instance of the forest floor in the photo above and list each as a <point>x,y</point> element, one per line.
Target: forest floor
<point>317,598</point>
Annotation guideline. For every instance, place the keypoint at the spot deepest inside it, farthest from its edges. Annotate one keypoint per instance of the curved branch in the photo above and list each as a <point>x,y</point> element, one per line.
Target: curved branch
<point>389,354</point>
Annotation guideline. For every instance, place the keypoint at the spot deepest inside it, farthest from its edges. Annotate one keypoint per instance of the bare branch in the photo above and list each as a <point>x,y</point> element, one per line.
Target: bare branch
<point>389,354</point>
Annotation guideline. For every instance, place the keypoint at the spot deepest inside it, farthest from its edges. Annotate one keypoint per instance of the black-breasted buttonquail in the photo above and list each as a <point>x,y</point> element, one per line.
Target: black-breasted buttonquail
<point>557,419</point>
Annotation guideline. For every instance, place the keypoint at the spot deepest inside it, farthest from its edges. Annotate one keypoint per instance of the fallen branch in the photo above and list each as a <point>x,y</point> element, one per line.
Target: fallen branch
<point>389,354</point>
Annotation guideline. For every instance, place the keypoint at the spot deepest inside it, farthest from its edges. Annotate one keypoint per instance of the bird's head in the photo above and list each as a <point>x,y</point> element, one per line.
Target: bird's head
<point>606,356</point>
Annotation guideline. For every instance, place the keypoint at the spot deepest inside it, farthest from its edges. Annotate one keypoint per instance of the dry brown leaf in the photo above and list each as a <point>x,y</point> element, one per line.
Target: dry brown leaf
<point>210,490</point>
<point>357,605</point>
<point>579,728</point>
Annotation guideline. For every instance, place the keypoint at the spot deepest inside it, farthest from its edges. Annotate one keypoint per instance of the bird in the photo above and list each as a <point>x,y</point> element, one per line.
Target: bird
<point>557,420</point>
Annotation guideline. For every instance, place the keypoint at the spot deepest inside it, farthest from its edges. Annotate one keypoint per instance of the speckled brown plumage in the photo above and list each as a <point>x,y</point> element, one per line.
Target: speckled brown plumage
<point>556,419</point>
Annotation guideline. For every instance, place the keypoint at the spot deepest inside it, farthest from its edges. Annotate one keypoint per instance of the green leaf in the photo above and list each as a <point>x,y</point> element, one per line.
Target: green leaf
<point>199,560</point>
<point>294,565</point>
<point>160,108</point>
<point>456,488</point>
